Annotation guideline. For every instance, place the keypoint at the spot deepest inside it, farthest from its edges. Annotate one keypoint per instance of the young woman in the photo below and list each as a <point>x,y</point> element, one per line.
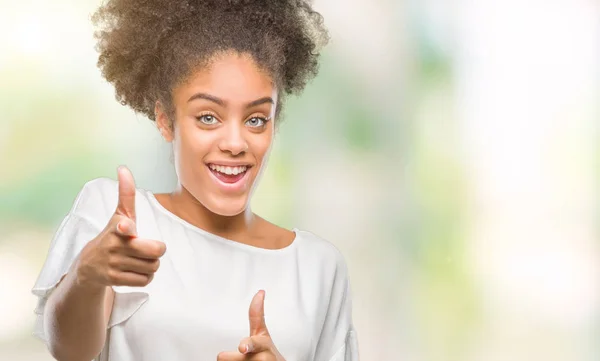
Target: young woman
<point>194,274</point>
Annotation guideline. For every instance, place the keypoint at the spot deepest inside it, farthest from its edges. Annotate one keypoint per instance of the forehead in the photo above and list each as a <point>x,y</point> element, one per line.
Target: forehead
<point>233,77</point>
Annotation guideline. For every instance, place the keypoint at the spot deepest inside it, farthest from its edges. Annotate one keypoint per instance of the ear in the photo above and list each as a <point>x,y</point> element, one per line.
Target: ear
<point>163,122</point>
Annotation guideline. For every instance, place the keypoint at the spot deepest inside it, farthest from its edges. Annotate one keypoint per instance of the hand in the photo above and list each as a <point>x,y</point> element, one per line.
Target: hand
<point>259,346</point>
<point>117,256</point>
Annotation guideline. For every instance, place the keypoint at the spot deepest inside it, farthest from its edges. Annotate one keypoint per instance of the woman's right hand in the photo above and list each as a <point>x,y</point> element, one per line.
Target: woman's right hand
<point>117,257</point>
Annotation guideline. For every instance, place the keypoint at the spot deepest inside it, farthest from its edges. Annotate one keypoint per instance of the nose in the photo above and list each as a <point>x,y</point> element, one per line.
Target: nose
<point>233,140</point>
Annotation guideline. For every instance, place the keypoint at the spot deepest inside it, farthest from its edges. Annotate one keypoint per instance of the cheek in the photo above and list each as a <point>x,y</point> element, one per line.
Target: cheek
<point>262,145</point>
<point>195,144</point>
<point>191,148</point>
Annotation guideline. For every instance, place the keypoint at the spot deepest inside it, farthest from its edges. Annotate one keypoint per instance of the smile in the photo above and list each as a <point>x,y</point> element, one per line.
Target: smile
<point>228,170</point>
<point>229,178</point>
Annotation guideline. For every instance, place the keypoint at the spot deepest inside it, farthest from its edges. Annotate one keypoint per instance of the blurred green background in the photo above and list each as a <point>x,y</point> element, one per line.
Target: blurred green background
<point>448,149</point>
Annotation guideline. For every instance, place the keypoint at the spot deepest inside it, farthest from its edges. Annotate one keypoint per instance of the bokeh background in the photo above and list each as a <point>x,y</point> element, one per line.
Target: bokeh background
<point>448,148</point>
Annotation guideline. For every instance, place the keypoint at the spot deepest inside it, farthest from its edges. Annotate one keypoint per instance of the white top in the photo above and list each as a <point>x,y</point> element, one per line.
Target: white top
<point>197,304</point>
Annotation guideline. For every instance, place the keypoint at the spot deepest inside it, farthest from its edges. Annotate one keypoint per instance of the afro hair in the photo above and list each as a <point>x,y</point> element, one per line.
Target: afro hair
<point>148,47</point>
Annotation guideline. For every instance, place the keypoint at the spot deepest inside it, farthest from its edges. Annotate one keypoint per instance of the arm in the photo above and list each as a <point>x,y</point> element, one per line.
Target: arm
<point>78,306</point>
<point>76,317</point>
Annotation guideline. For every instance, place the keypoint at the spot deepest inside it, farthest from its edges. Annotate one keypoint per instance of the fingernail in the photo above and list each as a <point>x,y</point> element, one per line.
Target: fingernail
<point>246,349</point>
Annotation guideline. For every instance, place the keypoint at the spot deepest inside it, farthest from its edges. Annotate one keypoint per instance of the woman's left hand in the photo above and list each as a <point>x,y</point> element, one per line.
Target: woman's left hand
<point>259,346</point>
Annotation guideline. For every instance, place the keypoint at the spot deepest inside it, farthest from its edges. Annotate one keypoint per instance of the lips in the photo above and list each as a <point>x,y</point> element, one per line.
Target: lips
<point>230,179</point>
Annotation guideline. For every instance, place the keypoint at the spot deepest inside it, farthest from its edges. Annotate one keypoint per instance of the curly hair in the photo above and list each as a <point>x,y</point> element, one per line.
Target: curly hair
<point>148,47</point>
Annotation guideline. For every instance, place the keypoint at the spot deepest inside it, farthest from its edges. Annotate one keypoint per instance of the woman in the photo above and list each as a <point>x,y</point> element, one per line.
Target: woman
<point>194,274</point>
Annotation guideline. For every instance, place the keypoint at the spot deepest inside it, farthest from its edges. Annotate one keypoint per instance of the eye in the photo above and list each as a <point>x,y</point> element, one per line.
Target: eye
<point>207,119</point>
<point>257,122</point>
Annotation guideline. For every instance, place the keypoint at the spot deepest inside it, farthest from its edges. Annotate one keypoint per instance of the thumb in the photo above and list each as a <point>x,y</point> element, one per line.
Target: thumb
<point>126,205</point>
<point>256,315</point>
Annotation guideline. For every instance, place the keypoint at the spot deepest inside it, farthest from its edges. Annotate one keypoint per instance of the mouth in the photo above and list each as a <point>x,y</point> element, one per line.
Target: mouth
<point>229,177</point>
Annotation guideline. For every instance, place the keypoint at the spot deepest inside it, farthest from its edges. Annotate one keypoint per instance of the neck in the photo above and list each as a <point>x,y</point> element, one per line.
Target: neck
<point>186,206</point>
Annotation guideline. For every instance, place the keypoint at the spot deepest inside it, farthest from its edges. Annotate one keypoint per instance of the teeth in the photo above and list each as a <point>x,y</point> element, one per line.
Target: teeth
<point>228,170</point>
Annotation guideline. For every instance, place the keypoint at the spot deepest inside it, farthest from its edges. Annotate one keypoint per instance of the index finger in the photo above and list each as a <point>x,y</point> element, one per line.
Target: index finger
<point>145,248</point>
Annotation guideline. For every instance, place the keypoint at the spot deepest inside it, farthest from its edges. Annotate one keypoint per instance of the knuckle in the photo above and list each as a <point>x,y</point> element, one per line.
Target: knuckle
<point>113,261</point>
<point>113,276</point>
<point>112,250</point>
<point>155,265</point>
<point>113,244</point>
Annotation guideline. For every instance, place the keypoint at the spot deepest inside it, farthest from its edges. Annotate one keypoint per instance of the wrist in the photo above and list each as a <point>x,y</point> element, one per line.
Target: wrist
<point>82,282</point>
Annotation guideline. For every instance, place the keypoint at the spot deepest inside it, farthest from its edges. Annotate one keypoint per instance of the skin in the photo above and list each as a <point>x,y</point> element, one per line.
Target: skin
<point>232,120</point>
<point>235,132</point>
<point>233,136</point>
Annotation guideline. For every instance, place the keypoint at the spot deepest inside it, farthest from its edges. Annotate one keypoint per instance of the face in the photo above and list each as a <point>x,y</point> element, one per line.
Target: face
<point>223,131</point>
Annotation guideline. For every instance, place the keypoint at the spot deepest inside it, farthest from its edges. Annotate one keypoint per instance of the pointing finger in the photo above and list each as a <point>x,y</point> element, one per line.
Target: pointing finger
<point>145,248</point>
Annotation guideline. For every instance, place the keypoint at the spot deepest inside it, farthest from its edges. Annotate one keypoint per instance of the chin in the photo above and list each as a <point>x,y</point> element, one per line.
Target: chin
<point>226,206</point>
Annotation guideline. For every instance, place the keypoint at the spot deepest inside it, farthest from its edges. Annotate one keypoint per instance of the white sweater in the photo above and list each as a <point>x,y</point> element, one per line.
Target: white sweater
<point>197,304</point>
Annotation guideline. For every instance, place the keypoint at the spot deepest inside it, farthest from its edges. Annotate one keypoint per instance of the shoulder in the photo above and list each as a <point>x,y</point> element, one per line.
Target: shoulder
<point>102,185</point>
<point>326,273</point>
<point>102,191</point>
<point>322,252</point>
<point>95,195</point>
<point>320,245</point>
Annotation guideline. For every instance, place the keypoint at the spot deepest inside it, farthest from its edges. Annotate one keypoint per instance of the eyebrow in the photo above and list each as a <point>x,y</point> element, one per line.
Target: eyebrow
<point>222,103</point>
